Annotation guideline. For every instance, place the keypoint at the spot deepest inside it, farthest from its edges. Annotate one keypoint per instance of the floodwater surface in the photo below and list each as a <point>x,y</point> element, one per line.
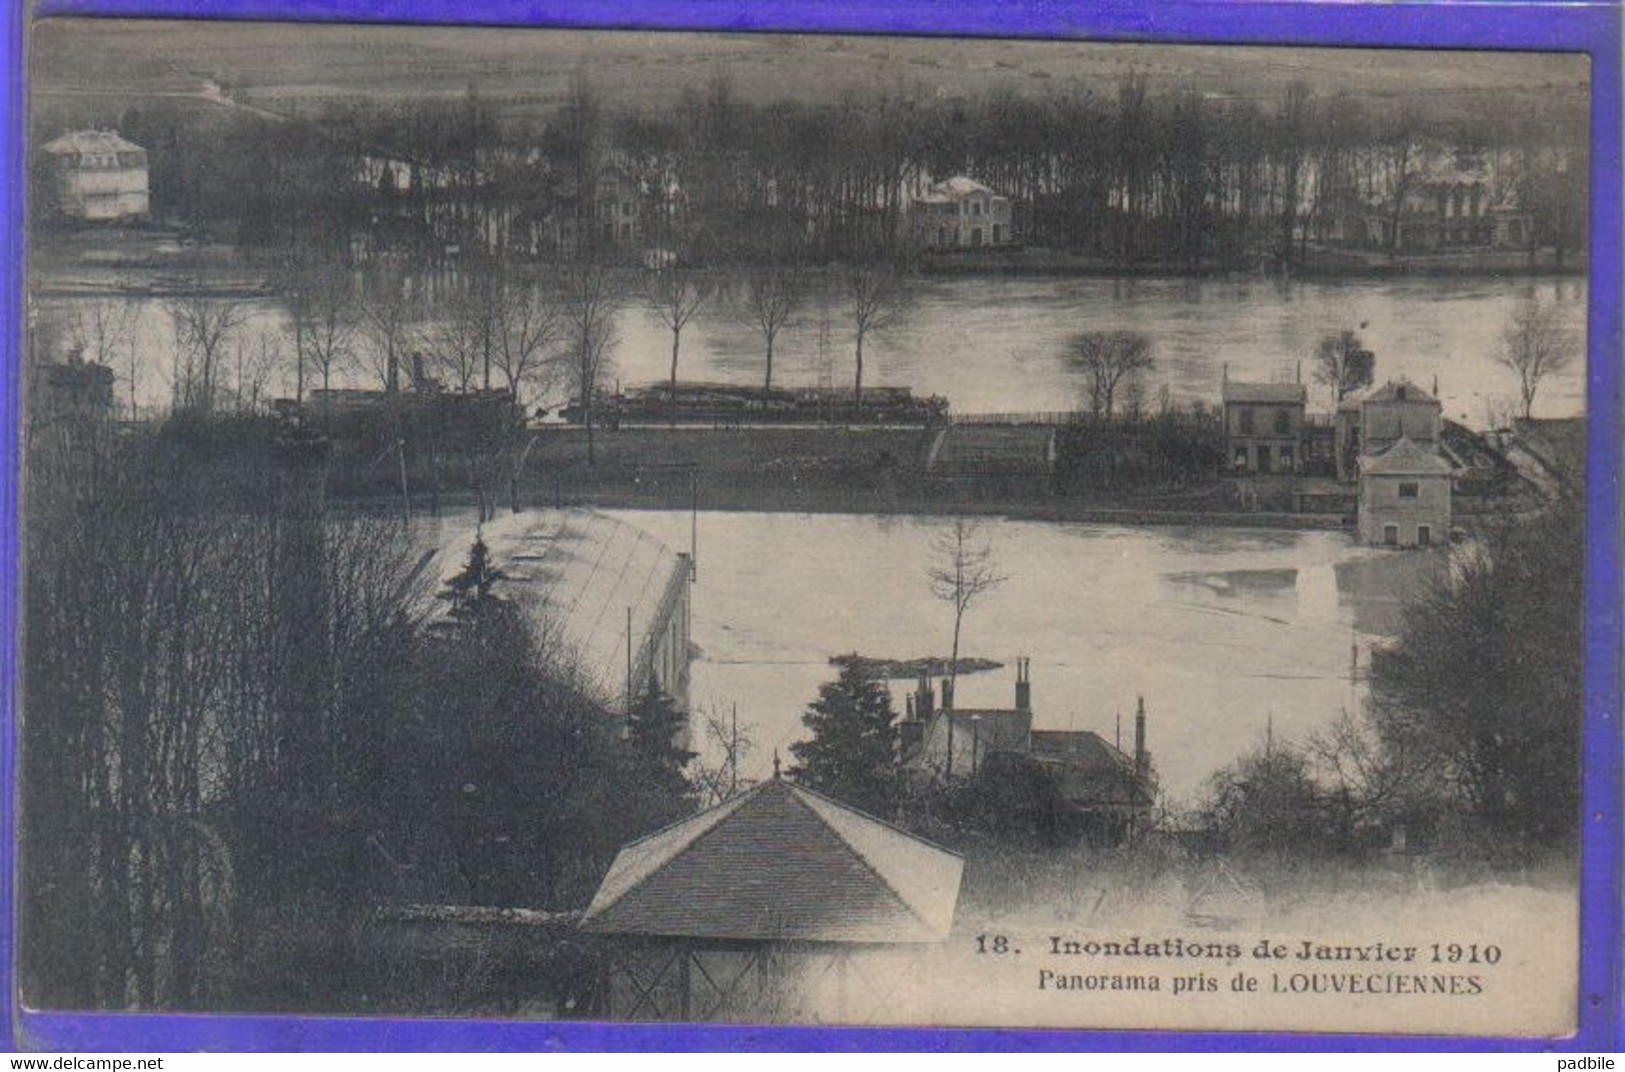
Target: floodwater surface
<point>1227,633</point>
<point>999,344</point>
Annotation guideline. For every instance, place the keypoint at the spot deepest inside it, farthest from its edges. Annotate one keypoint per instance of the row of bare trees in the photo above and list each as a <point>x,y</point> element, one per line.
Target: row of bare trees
<point>539,331</point>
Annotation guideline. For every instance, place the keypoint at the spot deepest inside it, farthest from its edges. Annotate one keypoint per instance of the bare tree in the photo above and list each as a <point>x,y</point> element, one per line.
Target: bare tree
<point>732,743</point>
<point>461,339</point>
<point>528,323</point>
<point>962,570</point>
<point>1106,358</point>
<point>204,328</point>
<point>1293,125</point>
<point>676,295</point>
<point>1534,345</point>
<point>257,362</point>
<point>387,318</point>
<point>1344,364</point>
<point>590,297</point>
<point>326,325</point>
<point>322,320</point>
<point>101,330</point>
<point>1397,153</point>
<point>771,297</point>
<point>878,298</point>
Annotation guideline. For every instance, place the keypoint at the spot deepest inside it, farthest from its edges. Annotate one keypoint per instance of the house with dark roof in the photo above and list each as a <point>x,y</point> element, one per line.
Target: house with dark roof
<point>1405,497</point>
<point>1061,784</point>
<point>1371,421</point>
<point>1263,426</point>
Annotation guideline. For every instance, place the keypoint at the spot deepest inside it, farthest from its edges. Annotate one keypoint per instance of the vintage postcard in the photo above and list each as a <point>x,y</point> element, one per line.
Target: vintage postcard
<point>790,529</point>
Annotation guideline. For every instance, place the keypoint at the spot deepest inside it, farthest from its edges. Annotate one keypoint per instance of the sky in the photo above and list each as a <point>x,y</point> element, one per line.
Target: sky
<point>288,66</point>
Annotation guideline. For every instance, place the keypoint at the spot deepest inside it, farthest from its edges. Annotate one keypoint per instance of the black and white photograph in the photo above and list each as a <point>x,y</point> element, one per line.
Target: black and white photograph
<point>701,527</point>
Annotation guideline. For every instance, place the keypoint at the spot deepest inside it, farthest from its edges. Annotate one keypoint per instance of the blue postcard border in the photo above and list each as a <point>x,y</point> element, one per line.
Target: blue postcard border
<point>1590,28</point>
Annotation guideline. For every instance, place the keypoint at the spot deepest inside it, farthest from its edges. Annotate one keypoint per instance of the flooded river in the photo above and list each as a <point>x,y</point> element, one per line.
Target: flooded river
<point>1223,631</point>
<point>994,345</point>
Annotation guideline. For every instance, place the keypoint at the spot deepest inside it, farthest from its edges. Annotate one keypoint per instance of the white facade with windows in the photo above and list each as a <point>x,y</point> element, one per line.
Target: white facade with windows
<point>97,175</point>
<point>1263,426</point>
<point>1405,497</point>
<point>961,213</point>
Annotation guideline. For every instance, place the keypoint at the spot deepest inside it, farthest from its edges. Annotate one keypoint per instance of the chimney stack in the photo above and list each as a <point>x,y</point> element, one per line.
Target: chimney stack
<point>924,701</point>
<point>1142,760</point>
<point>948,694</point>
<point>1024,685</point>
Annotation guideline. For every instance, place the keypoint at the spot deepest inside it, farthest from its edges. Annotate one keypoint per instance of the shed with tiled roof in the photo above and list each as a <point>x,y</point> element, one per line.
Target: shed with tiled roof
<point>743,910</point>
<point>780,863</point>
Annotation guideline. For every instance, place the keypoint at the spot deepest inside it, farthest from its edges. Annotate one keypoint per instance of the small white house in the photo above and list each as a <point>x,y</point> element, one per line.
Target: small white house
<point>961,213</point>
<point>1405,497</point>
<point>97,175</point>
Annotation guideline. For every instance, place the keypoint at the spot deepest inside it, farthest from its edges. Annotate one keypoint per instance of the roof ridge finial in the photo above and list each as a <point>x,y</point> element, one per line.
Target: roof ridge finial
<point>775,764</point>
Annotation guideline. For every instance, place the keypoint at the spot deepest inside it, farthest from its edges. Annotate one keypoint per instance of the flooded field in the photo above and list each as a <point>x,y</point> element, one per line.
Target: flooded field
<point>1223,631</point>
<point>998,344</point>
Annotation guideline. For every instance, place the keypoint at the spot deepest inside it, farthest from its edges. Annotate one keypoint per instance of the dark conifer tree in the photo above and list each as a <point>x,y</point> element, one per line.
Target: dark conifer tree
<point>470,590</point>
<point>658,757</point>
<point>851,754</point>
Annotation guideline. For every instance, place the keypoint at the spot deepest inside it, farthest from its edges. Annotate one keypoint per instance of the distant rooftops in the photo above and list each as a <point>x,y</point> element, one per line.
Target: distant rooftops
<point>1400,390</point>
<point>1405,458</point>
<point>1089,770</point>
<point>955,188</point>
<point>79,142</point>
<point>1288,394</point>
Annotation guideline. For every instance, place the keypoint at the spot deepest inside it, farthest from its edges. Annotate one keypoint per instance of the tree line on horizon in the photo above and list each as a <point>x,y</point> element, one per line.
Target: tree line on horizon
<point>1176,177</point>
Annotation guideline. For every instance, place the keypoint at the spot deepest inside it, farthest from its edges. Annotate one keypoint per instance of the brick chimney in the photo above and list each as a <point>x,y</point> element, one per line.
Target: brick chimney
<point>1024,685</point>
<point>947,694</point>
<point>925,701</point>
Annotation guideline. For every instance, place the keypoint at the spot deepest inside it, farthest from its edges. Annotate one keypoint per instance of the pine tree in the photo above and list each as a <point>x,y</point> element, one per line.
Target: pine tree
<point>470,590</point>
<point>659,762</point>
<point>852,751</point>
